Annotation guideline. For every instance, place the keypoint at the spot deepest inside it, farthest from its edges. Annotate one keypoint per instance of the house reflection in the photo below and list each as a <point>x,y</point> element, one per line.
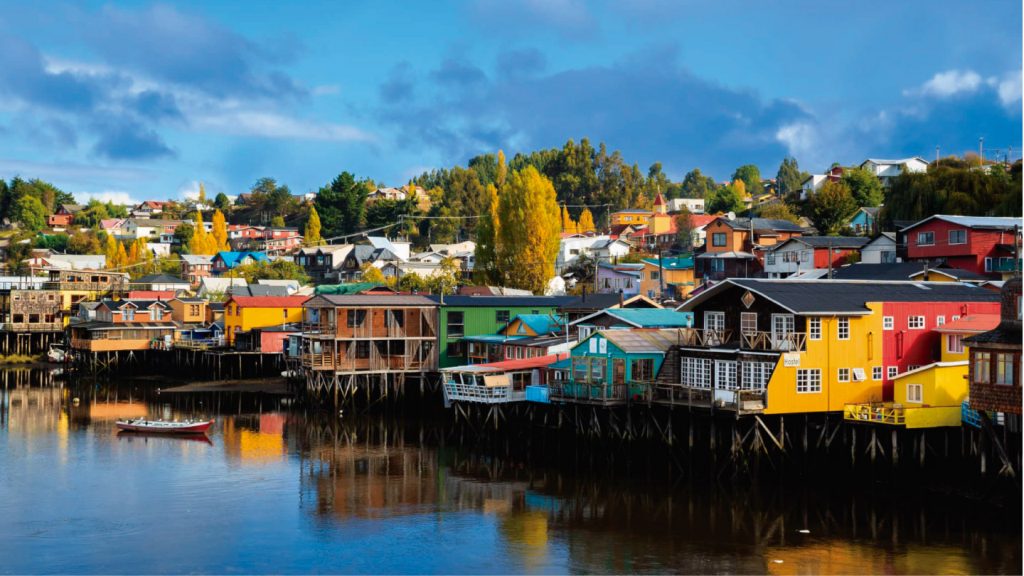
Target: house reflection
<point>255,439</point>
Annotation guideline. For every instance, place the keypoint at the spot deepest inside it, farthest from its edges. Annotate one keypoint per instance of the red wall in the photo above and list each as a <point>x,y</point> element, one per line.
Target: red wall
<point>903,347</point>
<point>273,342</point>
<point>838,257</point>
<point>970,256</point>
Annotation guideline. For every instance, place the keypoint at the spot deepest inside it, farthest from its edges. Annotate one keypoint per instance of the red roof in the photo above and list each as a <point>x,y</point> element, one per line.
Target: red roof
<point>699,220</point>
<point>972,324</point>
<point>535,362</point>
<point>268,301</point>
<point>151,294</point>
<point>660,200</point>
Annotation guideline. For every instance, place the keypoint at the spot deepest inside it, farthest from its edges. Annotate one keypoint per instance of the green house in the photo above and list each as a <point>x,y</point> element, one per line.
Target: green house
<point>463,316</point>
<point>612,367</point>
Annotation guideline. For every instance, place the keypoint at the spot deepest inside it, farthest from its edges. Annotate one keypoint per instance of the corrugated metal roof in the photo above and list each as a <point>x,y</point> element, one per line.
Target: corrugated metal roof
<point>380,300</point>
<point>652,317</point>
<point>268,301</point>
<point>989,222</point>
<point>642,341</point>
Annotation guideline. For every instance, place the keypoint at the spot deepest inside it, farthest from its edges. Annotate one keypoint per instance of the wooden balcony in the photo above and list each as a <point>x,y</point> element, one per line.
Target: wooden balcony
<point>462,392</point>
<point>704,338</point>
<point>875,413</point>
<point>32,327</point>
<point>785,342</point>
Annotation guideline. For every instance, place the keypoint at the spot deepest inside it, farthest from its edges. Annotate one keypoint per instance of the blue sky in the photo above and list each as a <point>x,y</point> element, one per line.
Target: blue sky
<point>143,100</point>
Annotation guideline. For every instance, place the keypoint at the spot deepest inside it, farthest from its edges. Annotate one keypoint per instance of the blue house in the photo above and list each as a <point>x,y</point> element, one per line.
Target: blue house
<point>865,221</point>
<point>628,318</point>
<point>224,261</point>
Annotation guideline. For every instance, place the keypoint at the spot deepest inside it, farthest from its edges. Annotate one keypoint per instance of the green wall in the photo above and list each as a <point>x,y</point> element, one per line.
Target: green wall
<point>478,321</point>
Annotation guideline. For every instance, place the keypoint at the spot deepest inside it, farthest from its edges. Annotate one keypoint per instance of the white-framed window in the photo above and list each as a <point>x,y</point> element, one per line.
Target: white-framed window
<point>954,318</point>
<point>893,371</point>
<point>876,373</point>
<point>955,343</point>
<point>771,258</point>
<point>1004,369</point>
<point>887,323</point>
<point>714,320</point>
<point>843,328</point>
<point>725,375</point>
<point>843,375</point>
<point>748,322</point>
<point>925,238</point>
<point>814,328</point>
<point>914,393</point>
<point>756,375</point>
<point>940,320</point>
<point>915,322</point>
<point>958,236</point>
<point>858,375</point>
<point>696,372</point>
<point>808,380</point>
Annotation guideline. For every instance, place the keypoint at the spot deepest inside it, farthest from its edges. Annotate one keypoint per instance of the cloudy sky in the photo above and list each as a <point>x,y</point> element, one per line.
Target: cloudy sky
<point>142,100</point>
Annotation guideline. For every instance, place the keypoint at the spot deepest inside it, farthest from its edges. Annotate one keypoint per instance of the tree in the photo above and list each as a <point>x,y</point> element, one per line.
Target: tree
<point>485,268</point>
<point>341,205</point>
<point>110,251</point>
<point>312,232</point>
<point>778,211</point>
<point>502,174</point>
<point>751,177</point>
<point>725,199</point>
<point>93,213</point>
<point>528,235</point>
<point>370,273</point>
<point>276,270</point>
<point>220,232</point>
<point>30,213</point>
<point>789,178</point>
<point>865,186</point>
<point>183,235</point>
<point>567,224</point>
<point>831,207</point>
<point>84,243</point>
<point>122,256</point>
<point>586,222</point>
<point>697,185</point>
<point>684,230</point>
<point>202,195</point>
<point>221,201</point>
<point>277,221</point>
<point>446,279</point>
<point>202,243</point>
<point>412,282</point>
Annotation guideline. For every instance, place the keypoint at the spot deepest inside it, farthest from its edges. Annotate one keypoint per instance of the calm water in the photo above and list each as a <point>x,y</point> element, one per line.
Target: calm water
<point>281,492</point>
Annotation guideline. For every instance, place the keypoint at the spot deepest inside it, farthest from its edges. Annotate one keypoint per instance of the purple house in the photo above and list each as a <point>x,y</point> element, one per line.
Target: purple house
<point>619,278</point>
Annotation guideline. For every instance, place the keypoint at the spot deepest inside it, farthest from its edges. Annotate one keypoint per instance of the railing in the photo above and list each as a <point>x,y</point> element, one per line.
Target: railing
<point>877,413</point>
<point>971,417</point>
<point>599,392</point>
<point>785,342</point>
<point>203,344</point>
<point>703,338</point>
<point>482,394</point>
<point>33,327</point>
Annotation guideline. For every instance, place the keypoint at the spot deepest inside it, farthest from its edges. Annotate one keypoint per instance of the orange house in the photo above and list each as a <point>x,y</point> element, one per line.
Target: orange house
<point>730,245</point>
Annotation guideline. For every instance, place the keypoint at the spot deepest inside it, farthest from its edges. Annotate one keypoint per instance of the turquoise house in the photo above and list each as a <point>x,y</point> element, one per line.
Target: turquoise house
<point>612,367</point>
<point>865,221</point>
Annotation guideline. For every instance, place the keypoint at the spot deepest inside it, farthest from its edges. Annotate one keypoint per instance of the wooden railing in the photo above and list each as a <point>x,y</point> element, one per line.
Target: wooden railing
<point>786,342</point>
<point>703,338</point>
<point>32,327</point>
<point>878,413</point>
<point>459,391</point>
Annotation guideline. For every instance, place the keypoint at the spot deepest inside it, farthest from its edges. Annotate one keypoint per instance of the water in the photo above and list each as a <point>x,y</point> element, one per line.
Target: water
<point>284,492</point>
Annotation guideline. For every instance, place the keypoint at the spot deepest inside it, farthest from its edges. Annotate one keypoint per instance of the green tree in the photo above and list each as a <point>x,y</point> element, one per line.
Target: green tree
<point>84,243</point>
<point>789,177</point>
<point>446,279</point>
<point>528,233</point>
<point>412,282</point>
<point>342,205</point>
<point>751,177</point>
<point>684,230</point>
<point>277,221</point>
<point>866,188</point>
<point>485,267</point>
<point>831,207</point>
<point>222,202</point>
<point>697,185</point>
<point>30,213</point>
<point>778,211</point>
<point>312,232</point>
<point>725,199</point>
<point>183,235</point>
<point>275,270</point>
<point>94,212</point>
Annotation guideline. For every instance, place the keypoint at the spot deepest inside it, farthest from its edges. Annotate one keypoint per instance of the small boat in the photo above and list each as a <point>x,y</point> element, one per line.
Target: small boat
<point>56,354</point>
<point>164,427</point>
<point>129,435</point>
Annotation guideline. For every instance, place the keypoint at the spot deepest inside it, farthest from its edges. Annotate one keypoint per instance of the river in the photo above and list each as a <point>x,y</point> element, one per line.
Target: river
<point>276,490</point>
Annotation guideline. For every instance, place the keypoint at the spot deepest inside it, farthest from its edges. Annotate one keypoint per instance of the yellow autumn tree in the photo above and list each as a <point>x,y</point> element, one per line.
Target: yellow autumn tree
<point>586,222</point>
<point>133,253</point>
<point>202,243</point>
<point>110,250</point>
<point>567,223</point>
<point>122,256</point>
<point>313,228</point>
<point>741,188</point>
<point>502,174</point>
<point>371,273</point>
<point>202,194</point>
<point>487,269</point>
<point>220,232</point>
<point>528,235</point>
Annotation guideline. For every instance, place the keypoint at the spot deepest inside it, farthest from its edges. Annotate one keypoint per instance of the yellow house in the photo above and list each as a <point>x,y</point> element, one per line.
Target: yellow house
<point>630,217</point>
<point>188,310</point>
<point>674,274</point>
<point>243,313</point>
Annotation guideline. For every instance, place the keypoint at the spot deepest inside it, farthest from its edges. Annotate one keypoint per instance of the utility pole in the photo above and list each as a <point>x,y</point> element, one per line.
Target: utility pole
<point>661,275</point>
<point>936,155</point>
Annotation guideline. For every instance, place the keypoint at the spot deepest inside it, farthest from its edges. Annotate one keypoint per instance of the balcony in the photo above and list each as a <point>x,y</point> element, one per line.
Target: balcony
<point>465,392</point>
<point>32,327</point>
<point>784,342</point>
<point>875,413</point>
<point>704,338</point>
<point>603,393</point>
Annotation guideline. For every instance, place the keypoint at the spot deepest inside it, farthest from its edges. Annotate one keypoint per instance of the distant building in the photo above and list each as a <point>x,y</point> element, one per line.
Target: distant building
<point>887,170</point>
<point>880,250</point>
<point>981,244</point>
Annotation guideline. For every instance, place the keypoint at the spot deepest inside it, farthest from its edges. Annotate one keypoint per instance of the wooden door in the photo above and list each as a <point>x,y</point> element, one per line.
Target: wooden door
<point>618,371</point>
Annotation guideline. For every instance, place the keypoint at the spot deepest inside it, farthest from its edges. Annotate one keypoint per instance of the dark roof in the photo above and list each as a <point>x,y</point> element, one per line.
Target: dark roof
<point>115,304</point>
<point>592,302</point>
<point>1005,333</point>
<point>499,301</point>
<point>381,300</point>
<point>258,290</point>
<point>161,279</point>
<point>763,224</point>
<point>217,306</point>
<point>826,241</point>
<point>847,297</point>
<point>898,271</point>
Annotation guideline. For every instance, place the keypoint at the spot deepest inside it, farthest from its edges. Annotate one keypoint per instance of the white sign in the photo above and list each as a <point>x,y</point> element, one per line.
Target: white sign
<point>791,360</point>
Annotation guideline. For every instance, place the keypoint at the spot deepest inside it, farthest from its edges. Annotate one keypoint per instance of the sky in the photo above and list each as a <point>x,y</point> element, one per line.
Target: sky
<point>139,100</point>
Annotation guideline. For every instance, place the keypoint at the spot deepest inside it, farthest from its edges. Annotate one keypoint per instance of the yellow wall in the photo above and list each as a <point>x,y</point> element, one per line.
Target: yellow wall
<point>947,356</point>
<point>659,224</point>
<point>679,276</point>
<point>862,350</point>
<point>619,218</point>
<point>940,386</point>
<point>247,318</point>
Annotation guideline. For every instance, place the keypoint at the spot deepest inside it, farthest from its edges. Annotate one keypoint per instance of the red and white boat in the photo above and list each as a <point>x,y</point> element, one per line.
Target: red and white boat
<point>164,427</point>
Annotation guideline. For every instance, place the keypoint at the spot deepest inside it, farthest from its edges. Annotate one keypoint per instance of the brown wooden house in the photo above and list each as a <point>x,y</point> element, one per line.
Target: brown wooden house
<point>994,371</point>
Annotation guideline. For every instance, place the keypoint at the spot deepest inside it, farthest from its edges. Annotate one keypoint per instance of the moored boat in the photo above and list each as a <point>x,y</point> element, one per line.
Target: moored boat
<point>164,427</point>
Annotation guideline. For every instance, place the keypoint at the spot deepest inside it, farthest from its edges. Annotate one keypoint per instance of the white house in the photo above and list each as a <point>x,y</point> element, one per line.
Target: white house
<point>148,228</point>
<point>69,261</point>
<point>880,250</point>
<point>812,184</point>
<point>694,205</point>
<point>803,254</point>
<point>609,249</point>
<point>385,194</point>
<point>572,247</point>
<point>452,249</point>
<point>886,170</point>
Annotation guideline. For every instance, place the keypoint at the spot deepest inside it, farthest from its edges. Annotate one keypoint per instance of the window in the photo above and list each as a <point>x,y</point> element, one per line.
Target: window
<point>771,258</point>
<point>888,257</point>
<point>714,320</point>
<point>940,320</point>
<point>725,374</point>
<point>579,369</point>
<point>958,236</point>
<point>756,375</point>
<point>914,393</point>
<point>858,375</point>
<point>955,343</point>
<point>718,239</point>
<point>655,275</point>
<point>696,372</point>
<point>501,316</point>
<point>808,381</point>
<point>893,371</point>
<point>887,323</point>
<point>843,329</point>
<point>988,264</point>
<point>748,322</point>
<point>876,372</point>
<point>925,238</point>
<point>456,349</point>
<point>844,375</point>
<point>717,265</point>
<point>814,328</point>
<point>456,328</point>
<point>915,322</point>
<point>596,368</point>
<point>395,318</point>
<point>1004,369</point>
<point>362,348</point>
<point>355,318</point>
<point>642,370</point>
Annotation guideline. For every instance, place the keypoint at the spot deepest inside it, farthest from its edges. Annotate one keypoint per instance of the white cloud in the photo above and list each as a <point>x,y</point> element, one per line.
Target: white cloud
<point>326,90</point>
<point>800,139</point>
<point>949,83</point>
<point>1009,88</point>
<point>270,125</point>
<point>115,196</point>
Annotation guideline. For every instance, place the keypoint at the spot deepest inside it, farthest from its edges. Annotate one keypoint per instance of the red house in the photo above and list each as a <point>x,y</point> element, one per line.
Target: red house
<point>64,215</point>
<point>981,244</point>
<point>909,336</point>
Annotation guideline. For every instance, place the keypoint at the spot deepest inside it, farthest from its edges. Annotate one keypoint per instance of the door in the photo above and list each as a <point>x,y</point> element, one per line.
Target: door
<point>618,371</point>
<point>783,327</point>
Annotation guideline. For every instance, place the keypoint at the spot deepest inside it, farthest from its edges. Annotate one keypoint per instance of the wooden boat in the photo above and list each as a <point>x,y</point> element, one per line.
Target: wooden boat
<point>164,427</point>
<point>129,436</point>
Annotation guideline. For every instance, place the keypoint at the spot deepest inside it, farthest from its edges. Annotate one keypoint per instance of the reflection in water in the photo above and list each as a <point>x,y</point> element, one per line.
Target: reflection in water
<point>288,492</point>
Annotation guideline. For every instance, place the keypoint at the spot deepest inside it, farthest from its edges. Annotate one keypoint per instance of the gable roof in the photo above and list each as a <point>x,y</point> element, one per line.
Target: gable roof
<point>504,301</point>
<point>196,259</point>
<point>762,224</point>
<point>844,242</point>
<point>674,263</point>
<point>644,317</point>
<point>896,162</point>
<point>161,279</point>
<point>540,324</point>
<point>828,297</point>
<point>268,301</point>
<point>232,259</point>
<point>380,300</point>
<point>973,222</point>
<point>970,324</point>
<point>640,341</point>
